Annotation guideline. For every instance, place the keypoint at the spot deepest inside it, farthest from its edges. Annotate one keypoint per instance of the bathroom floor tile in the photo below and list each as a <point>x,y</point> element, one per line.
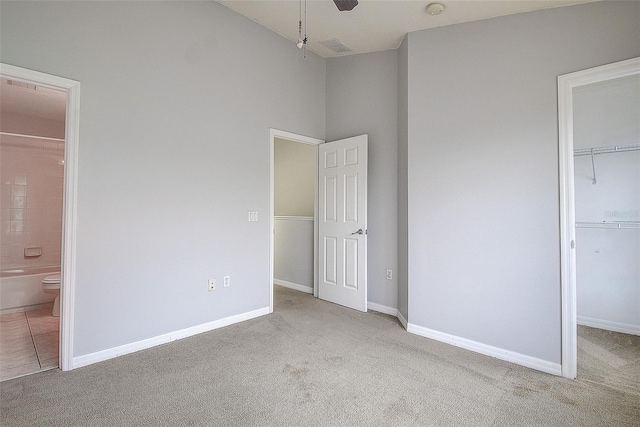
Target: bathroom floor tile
<point>17,353</point>
<point>48,351</point>
<point>20,358</point>
<point>12,346</point>
<point>46,338</point>
<point>13,329</point>
<point>29,342</point>
<point>11,317</point>
<point>5,338</point>
<point>6,374</point>
<point>49,363</point>
<point>43,325</point>
<point>46,345</point>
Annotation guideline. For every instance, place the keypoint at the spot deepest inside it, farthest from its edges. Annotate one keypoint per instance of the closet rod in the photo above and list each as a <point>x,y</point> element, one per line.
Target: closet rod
<point>610,224</point>
<point>606,150</point>
<point>24,135</point>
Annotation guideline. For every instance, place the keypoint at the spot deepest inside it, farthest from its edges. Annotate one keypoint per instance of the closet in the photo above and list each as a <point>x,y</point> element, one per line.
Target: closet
<point>607,203</point>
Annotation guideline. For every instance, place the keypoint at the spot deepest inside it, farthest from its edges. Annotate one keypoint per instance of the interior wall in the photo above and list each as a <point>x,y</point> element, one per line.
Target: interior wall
<point>483,190</point>
<point>362,98</point>
<point>293,253</point>
<point>607,114</point>
<point>22,124</point>
<point>294,178</point>
<point>176,105</point>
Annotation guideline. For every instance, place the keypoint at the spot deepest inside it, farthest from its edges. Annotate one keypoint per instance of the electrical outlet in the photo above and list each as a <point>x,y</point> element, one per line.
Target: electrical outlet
<point>212,285</point>
<point>227,281</point>
<point>389,274</point>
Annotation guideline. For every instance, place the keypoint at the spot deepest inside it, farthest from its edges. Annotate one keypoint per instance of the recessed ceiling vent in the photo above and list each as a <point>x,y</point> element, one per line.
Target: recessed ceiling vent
<point>336,46</point>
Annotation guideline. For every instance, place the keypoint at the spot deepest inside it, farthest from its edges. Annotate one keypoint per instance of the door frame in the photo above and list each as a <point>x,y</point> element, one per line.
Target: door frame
<point>289,136</point>
<point>70,198</point>
<point>566,84</point>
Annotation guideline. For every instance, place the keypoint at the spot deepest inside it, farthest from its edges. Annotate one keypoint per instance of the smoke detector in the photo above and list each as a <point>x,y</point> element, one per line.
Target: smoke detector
<point>435,9</point>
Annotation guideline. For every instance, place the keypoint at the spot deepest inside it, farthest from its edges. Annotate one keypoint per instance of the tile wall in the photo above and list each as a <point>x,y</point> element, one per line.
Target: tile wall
<point>32,176</point>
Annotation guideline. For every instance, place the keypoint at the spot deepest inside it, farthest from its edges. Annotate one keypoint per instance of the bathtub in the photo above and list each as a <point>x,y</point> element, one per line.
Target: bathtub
<point>21,288</point>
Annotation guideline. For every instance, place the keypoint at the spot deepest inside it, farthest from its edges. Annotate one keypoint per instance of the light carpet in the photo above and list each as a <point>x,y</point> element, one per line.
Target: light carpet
<point>316,363</point>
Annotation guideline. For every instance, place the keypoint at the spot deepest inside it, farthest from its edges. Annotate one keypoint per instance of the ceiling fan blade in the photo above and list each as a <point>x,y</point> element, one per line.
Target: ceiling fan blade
<point>345,4</point>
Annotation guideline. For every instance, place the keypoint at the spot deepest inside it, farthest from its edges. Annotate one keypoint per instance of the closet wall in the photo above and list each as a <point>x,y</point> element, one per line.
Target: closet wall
<point>294,205</point>
<point>607,123</point>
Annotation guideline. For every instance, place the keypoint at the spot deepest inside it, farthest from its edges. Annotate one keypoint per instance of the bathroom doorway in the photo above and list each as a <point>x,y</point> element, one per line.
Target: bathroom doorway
<point>58,218</point>
<point>32,121</point>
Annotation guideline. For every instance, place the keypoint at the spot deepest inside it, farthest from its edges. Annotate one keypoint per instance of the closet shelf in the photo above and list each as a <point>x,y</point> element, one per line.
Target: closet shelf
<point>606,150</point>
<point>608,224</point>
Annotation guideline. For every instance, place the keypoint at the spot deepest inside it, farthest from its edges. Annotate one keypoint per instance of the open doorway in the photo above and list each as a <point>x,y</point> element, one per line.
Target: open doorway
<point>293,212</point>
<point>600,226</point>
<point>32,156</point>
<point>67,252</point>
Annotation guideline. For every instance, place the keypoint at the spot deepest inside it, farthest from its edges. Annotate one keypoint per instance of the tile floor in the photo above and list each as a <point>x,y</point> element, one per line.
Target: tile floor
<point>28,342</point>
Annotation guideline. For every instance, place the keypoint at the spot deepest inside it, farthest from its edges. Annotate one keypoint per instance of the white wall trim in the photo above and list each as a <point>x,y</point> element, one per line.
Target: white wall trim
<point>566,84</point>
<point>294,286</point>
<point>608,325</point>
<point>498,353</point>
<point>70,198</point>
<point>110,353</point>
<point>293,218</point>
<point>382,308</point>
<point>402,320</point>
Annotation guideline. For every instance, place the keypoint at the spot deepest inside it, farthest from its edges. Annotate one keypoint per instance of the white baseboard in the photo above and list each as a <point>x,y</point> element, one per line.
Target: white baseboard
<point>498,353</point>
<point>402,320</point>
<point>110,353</point>
<point>625,328</point>
<point>382,308</point>
<point>294,286</point>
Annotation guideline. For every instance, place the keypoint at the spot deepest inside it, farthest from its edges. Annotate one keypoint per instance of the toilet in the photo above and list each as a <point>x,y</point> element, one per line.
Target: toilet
<point>51,284</point>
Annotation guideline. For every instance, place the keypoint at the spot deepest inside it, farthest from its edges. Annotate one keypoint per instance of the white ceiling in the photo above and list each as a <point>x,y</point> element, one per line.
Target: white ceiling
<point>374,25</point>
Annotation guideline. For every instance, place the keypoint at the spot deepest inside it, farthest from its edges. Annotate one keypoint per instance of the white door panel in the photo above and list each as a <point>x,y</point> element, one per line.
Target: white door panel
<point>342,227</point>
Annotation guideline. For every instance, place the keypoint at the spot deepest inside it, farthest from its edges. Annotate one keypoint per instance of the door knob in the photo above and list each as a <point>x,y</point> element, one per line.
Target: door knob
<point>358,232</point>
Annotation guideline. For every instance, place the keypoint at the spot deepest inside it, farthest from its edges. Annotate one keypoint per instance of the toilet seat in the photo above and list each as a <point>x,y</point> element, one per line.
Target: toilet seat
<point>52,279</point>
<point>52,282</point>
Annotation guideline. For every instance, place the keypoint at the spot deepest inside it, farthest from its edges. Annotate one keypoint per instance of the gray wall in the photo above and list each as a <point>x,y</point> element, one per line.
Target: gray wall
<point>362,99</point>
<point>483,168</point>
<point>294,178</point>
<point>176,103</point>
<point>293,253</point>
<point>177,99</point>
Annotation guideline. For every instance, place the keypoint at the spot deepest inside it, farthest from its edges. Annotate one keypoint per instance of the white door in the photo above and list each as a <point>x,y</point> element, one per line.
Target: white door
<point>342,228</point>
